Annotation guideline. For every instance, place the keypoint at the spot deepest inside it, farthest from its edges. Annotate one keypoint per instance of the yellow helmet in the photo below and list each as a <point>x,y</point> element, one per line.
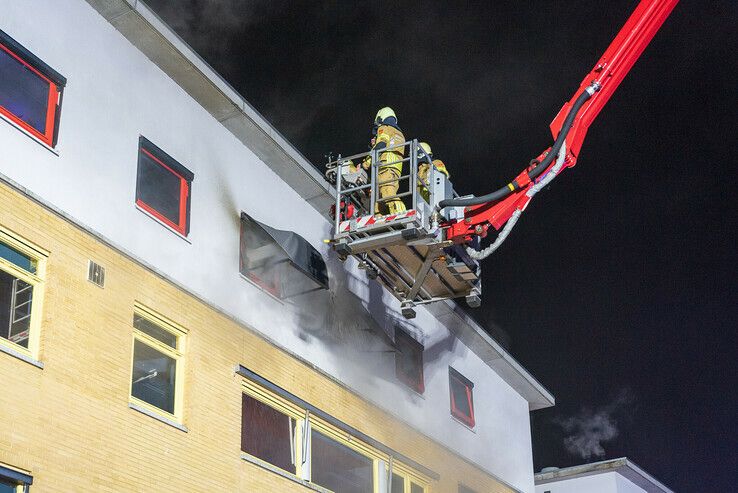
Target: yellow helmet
<point>384,114</point>
<point>426,148</point>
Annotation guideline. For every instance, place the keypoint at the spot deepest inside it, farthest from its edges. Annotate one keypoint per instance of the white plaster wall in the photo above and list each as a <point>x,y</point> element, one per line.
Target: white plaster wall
<point>624,485</point>
<point>599,483</point>
<point>114,94</point>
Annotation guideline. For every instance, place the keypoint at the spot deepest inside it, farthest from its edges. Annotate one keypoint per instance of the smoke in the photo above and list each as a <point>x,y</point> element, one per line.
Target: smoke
<point>210,26</point>
<point>588,431</point>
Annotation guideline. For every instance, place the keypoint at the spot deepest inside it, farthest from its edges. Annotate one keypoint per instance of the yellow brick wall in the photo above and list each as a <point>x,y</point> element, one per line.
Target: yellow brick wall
<point>70,425</point>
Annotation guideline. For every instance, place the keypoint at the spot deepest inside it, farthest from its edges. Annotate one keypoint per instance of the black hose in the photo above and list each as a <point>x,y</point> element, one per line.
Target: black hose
<point>540,168</point>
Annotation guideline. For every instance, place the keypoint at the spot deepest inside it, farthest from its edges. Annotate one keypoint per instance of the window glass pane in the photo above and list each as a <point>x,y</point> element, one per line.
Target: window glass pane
<point>461,400</point>
<point>159,188</point>
<point>261,258</point>
<point>398,484</point>
<point>150,328</point>
<point>267,433</point>
<point>338,468</point>
<point>7,486</point>
<point>16,299</point>
<point>153,376</point>
<point>23,92</point>
<point>414,488</point>
<point>15,257</point>
<point>409,361</point>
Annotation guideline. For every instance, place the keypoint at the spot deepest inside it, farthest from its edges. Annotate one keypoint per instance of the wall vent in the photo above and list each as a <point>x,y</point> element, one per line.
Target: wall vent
<point>96,274</point>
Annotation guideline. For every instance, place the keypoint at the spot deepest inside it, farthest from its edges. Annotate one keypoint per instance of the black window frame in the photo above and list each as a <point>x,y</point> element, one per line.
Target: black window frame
<point>56,81</point>
<point>158,156</point>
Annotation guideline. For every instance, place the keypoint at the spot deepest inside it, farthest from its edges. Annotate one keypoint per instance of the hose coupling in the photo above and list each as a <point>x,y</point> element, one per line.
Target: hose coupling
<point>593,88</point>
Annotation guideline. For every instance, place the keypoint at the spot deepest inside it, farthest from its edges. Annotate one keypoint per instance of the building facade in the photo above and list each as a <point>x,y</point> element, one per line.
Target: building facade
<point>139,349</point>
<point>610,476</point>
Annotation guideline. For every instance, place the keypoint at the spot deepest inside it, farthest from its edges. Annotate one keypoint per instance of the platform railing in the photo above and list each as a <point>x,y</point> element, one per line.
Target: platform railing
<point>349,193</point>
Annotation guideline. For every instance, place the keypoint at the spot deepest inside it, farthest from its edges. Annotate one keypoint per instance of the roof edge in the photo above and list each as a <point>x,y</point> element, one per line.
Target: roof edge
<point>143,28</point>
<point>492,353</point>
<point>622,465</point>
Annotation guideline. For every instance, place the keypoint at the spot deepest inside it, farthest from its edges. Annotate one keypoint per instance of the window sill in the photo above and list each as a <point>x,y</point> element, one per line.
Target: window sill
<point>287,475</point>
<point>162,223</point>
<point>159,417</point>
<point>473,430</point>
<point>413,392</point>
<point>21,356</point>
<point>30,135</point>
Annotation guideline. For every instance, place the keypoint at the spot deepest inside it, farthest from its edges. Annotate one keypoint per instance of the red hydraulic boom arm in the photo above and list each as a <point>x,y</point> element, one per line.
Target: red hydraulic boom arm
<point>569,129</point>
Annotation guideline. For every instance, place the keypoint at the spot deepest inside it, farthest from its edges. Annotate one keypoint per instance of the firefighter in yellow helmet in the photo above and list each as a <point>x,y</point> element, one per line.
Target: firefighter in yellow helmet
<point>425,158</point>
<point>387,134</point>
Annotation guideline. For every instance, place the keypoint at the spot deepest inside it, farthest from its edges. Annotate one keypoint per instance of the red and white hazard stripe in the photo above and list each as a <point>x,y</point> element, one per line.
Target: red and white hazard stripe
<point>365,221</point>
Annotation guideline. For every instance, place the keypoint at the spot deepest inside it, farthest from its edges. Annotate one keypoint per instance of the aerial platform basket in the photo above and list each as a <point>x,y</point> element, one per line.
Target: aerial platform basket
<point>406,251</point>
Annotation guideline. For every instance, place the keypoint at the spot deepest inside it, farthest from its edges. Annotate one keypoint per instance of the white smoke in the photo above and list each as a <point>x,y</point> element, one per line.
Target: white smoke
<point>590,429</point>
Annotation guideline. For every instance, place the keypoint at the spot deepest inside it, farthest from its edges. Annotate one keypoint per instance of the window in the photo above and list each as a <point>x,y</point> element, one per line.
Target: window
<point>156,377</point>
<point>462,399</point>
<point>14,481</point>
<point>163,187</point>
<point>282,263</point>
<point>306,445</point>
<point>21,268</point>
<point>398,484</point>
<point>30,91</point>
<point>464,489</point>
<point>409,360</point>
<point>401,484</point>
<point>268,434</point>
<point>340,468</point>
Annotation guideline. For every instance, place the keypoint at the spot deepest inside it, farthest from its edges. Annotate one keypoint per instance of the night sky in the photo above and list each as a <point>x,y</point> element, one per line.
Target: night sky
<point>618,289</point>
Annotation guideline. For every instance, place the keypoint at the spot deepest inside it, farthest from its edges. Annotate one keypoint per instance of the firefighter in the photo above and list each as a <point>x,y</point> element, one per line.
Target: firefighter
<point>386,133</point>
<point>424,160</point>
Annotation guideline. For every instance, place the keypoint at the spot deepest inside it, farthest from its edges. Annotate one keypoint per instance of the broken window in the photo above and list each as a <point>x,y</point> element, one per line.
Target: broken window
<point>282,263</point>
<point>163,187</point>
<point>30,91</point>
<point>157,353</point>
<point>409,361</point>
<point>267,434</point>
<point>340,468</point>
<point>462,400</point>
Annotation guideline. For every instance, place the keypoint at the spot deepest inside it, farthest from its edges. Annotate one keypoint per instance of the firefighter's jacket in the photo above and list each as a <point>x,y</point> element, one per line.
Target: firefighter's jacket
<point>440,166</point>
<point>389,136</point>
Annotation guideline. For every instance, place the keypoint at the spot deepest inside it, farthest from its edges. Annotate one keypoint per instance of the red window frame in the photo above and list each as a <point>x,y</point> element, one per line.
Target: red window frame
<point>454,377</point>
<point>415,382</point>
<point>273,289</point>
<point>15,50</point>
<point>181,227</point>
